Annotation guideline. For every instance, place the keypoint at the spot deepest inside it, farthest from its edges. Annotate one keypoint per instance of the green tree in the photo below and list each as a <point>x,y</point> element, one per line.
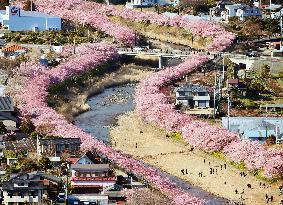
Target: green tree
<point>27,165</point>
<point>265,71</point>
<point>44,163</point>
<point>27,127</point>
<point>9,153</point>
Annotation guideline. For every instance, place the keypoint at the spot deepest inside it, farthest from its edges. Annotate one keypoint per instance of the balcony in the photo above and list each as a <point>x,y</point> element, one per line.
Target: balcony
<point>201,98</point>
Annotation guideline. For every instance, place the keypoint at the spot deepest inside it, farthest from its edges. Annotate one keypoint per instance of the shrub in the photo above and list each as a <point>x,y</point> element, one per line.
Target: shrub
<point>27,127</point>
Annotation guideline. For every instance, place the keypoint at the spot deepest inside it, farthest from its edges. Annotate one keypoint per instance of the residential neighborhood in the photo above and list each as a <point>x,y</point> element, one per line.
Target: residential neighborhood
<point>141,102</point>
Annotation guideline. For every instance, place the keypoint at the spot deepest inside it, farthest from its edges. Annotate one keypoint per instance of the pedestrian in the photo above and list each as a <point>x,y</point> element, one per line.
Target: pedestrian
<point>136,145</point>
<point>236,191</point>
<point>201,174</point>
<point>225,182</point>
<point>212,171</point>
<point>271,198</point>
<point>204,161</point>
<point>224,166</point>
<point>266,196</point>
<point>221,166</point>
<point>183,171</point>
<point>209,163</point>
<point>215,171</point>
<point>186,171</point>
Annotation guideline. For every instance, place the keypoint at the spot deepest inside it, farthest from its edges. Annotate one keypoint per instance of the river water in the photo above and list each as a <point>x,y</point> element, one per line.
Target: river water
<point>105,108</point>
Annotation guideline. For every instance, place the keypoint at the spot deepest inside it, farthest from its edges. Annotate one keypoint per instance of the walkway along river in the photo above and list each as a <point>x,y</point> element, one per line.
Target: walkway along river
<point>105,108</point>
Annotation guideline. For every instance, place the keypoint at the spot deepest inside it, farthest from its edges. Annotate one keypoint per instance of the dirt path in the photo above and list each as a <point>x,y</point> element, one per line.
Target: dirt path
<point>172,156</point>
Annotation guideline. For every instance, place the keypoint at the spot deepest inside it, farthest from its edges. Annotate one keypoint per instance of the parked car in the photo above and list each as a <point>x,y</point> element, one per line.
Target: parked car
<point>252,54</point>
<point>61,197</point>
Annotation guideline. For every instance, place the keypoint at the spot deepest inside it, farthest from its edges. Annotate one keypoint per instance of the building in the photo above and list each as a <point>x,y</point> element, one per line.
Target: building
<point>149,3</point>
<point>15,19</point>
<point>12,51</point>
<point>193,96</point>
<point>28,188</point>
<point>240,10</point>
<point>89,181</point>
<point>7,114</point>
<point>247,11</point>
<point>255,128</point>
<point>55,146</point>
<point>87,158</point>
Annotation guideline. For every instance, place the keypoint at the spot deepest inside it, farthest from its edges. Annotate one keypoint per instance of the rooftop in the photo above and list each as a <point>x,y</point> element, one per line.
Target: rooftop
<point>192,88</point>
<point>13,48</point>
<point>47,141</point>
<point>31,14</point>
<point>6,104</point>
<point>91,167</point>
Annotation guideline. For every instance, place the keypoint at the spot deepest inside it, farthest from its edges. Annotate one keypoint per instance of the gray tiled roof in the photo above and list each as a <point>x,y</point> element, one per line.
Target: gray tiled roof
<point>60,141</point>
<point>6,104</point>
<point>91,167</point>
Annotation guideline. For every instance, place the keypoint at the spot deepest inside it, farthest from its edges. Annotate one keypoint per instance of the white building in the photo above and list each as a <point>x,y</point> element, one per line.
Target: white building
<point>240,10</point>
<point>148,3</point>
<point>245,12</point>
<point>15,19</point>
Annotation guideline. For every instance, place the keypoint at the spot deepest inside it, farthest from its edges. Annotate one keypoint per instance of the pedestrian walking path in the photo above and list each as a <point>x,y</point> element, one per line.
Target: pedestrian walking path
<point>149,144</point>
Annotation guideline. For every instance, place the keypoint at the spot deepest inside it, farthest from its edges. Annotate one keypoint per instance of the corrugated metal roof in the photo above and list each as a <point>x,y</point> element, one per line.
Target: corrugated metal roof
<point>12,48</point>
<point>6,104</point>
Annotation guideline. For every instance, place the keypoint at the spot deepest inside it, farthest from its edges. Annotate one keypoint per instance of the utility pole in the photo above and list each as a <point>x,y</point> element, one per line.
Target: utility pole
<point>214,95</point>
<point>223,68</point>
<point>228,113</point>
<point>270,7</point>
<point>281,30</point>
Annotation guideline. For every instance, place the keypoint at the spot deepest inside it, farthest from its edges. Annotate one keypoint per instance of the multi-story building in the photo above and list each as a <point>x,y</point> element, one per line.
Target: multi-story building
<point>193,96</point>
<point>89,181</point>
<point>56,146</point>
<point>27,188</point>
<point>15,19</point>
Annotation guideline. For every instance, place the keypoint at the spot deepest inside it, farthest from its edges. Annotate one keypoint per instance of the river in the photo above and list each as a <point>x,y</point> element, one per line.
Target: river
<point>105,108</point>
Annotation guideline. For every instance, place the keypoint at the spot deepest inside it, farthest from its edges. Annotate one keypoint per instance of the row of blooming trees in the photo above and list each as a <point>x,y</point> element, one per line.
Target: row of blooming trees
<point>32,102</point>
<point>96,15</point>
<point>151,103</point>
<point>153,106</point>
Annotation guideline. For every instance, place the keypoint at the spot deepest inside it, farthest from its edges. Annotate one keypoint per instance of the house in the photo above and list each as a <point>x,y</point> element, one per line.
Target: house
<point>28,188</point>
<point>193,96</point>
<point>89,181</point>
<point>255,128</point>
<point>149,3</point>
<point>55,146</point>
<point>15,19</point>
<point>247,11</point>
<point>87,158</point>
<point>237,85</point>
<point>7,115</point>
<point>240,10</point>
<point>12,50</point>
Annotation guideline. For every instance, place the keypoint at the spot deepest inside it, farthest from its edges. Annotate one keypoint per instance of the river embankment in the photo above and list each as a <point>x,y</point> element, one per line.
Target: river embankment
<point>150,144</point>
<point>74,101</point>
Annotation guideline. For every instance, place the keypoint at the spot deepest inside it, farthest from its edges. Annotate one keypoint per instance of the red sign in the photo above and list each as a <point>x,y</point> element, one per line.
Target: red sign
<point>94,179</point>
